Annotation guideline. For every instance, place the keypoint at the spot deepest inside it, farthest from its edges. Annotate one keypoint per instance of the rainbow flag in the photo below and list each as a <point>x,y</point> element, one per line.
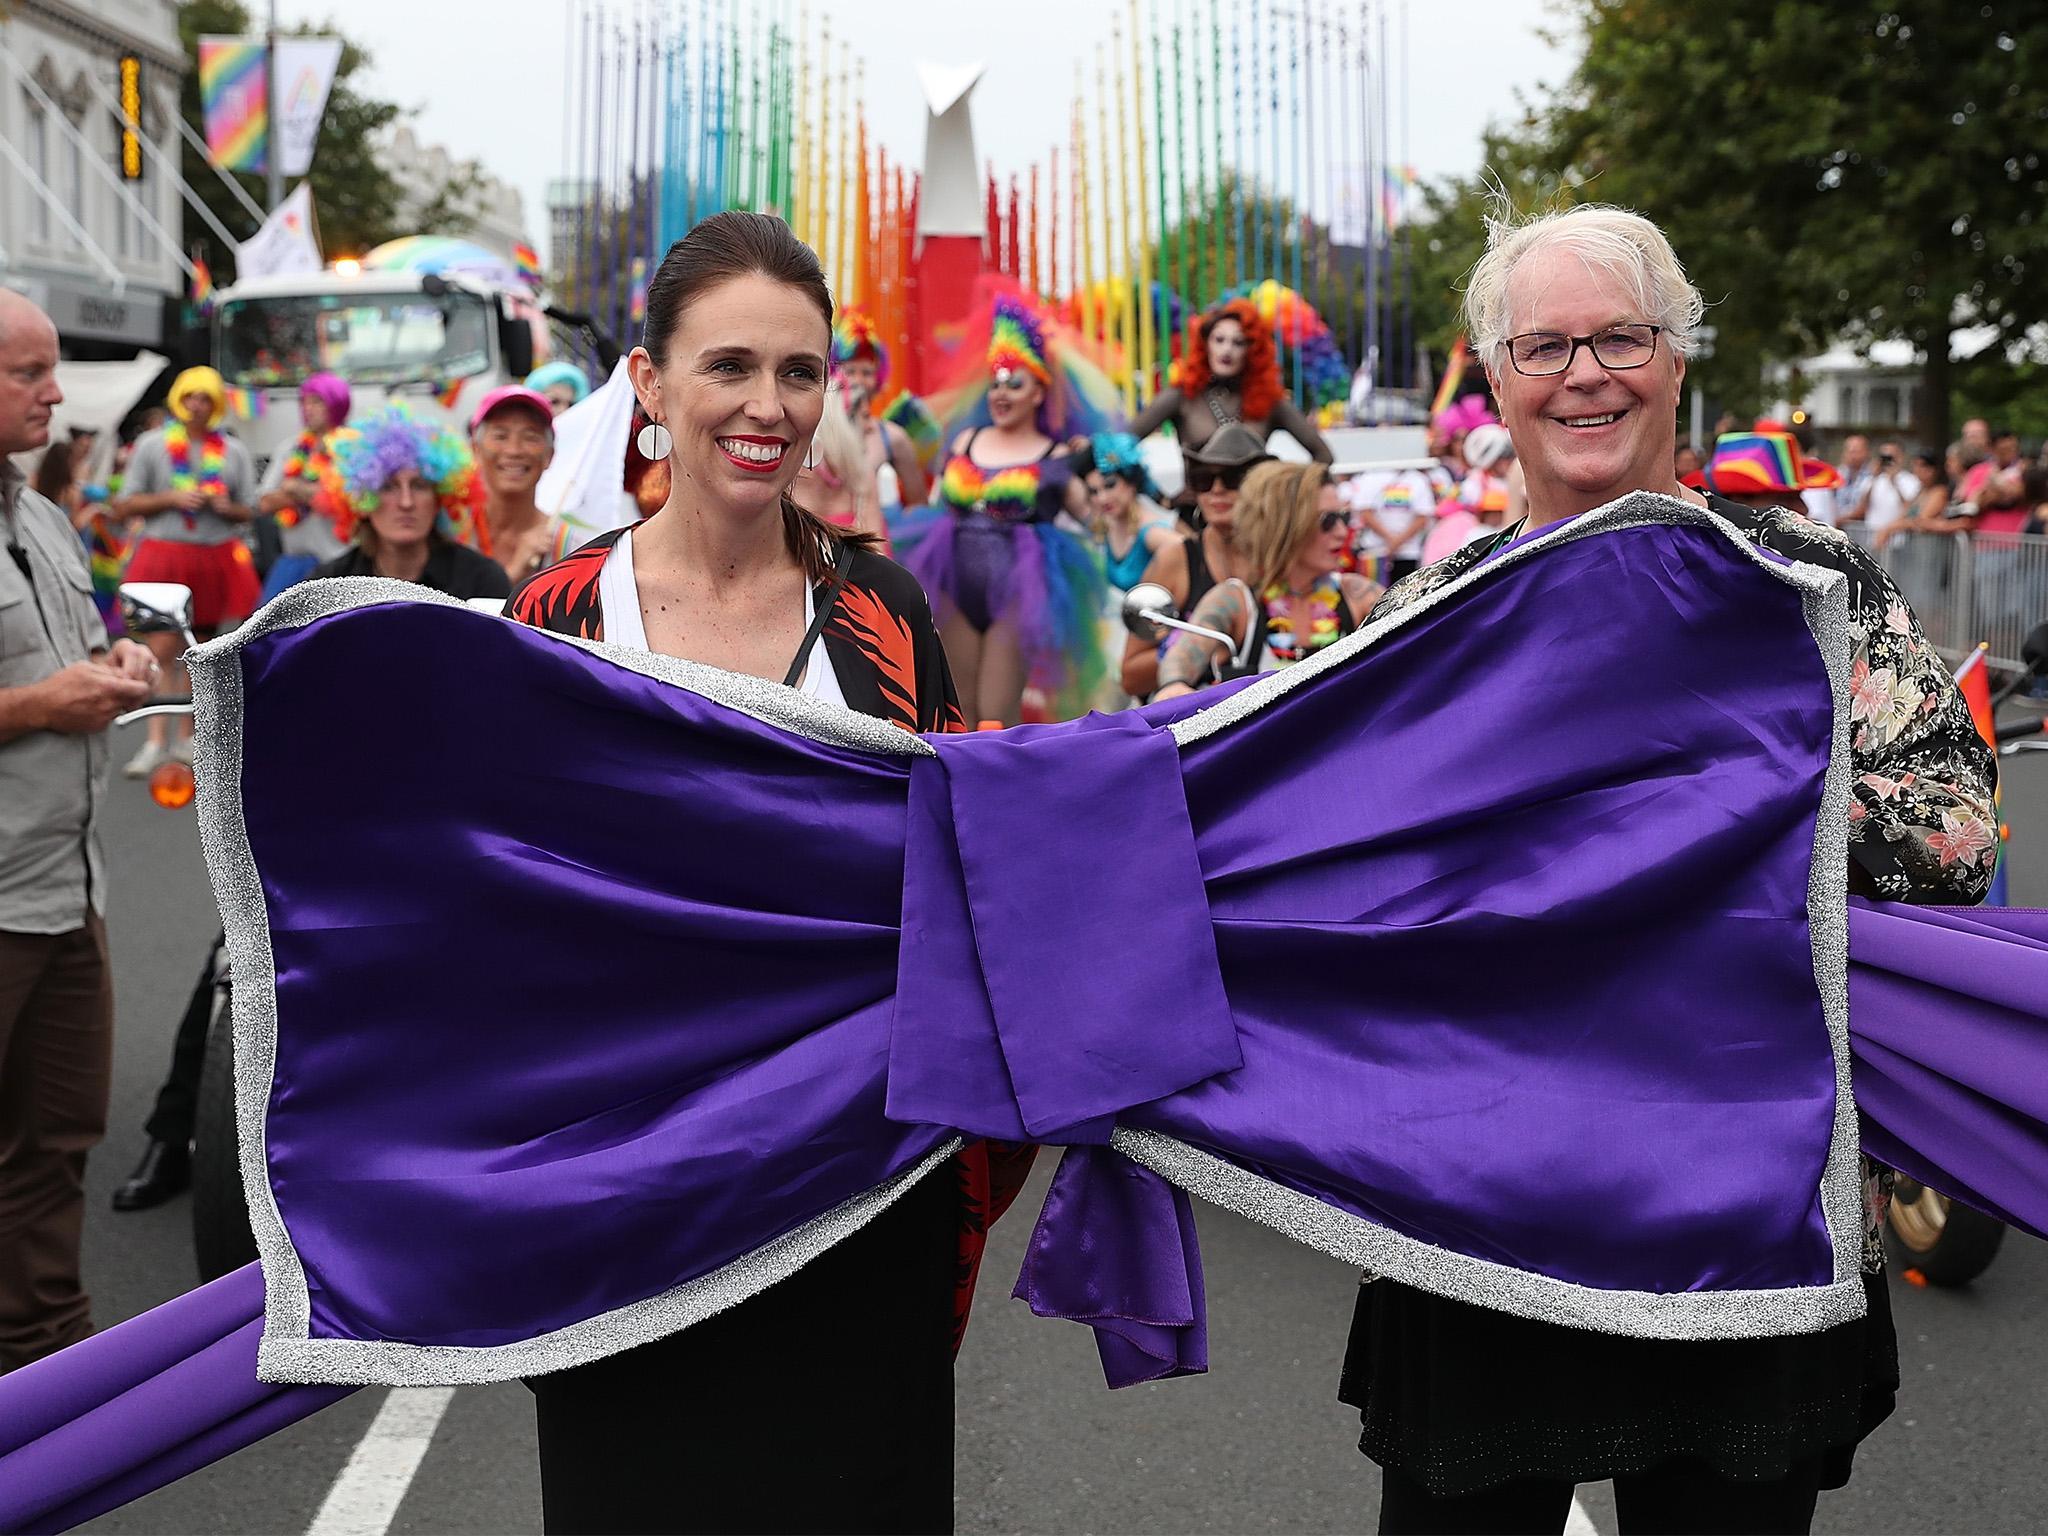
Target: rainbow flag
<point>201,294</point>
<point>232,95</point>
<point>1396,182</point>
<point>1973,678</point>
<point>636,295</point>
<point>1454,375</point>
<point>526,262</point>
<point>449,393</point>
<point>245,403</point>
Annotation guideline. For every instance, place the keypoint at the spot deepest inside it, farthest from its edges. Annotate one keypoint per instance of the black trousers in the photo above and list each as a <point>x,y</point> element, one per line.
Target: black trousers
<point>177,1100</point>
<point>1679,1498</point>
<point>825,1403</point>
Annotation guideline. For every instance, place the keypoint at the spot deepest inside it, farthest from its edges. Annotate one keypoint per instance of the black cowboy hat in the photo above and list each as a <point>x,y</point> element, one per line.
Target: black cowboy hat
<point>1231,446</point>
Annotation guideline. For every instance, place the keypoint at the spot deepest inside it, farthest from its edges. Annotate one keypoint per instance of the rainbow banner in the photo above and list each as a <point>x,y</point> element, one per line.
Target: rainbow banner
<point>1396,182</point>
<point>232,94</point>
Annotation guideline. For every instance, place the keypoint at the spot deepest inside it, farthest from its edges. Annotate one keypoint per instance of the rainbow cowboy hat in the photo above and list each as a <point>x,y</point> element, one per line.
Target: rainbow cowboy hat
<point>1764,462</point>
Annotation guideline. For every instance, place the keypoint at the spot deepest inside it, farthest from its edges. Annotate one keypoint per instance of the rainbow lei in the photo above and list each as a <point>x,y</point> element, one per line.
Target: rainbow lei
<point>1322,626</point>
<point>210,478</point>
<point>307,461</point>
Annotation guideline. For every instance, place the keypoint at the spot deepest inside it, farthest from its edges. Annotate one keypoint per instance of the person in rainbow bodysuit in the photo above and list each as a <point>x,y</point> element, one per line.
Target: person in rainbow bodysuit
<point>1017,596</point>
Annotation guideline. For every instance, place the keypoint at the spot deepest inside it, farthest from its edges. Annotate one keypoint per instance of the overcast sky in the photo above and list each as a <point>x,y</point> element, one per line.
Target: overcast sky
<point>488,75</point>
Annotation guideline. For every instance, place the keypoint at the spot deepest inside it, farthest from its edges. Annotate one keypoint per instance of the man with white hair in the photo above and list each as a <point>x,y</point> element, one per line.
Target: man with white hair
<point>60,687</point>
<point>1483,1421</point>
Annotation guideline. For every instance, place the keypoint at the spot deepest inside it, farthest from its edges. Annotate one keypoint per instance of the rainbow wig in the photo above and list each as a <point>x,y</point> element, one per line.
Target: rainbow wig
<point>369,453</point>
<point>1009,329</point>
<point>854,334</point>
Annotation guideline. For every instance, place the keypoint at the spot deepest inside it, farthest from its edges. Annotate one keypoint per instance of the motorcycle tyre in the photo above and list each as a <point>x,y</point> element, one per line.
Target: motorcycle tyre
<point>222,1241</point>
<point>1967,1243</point>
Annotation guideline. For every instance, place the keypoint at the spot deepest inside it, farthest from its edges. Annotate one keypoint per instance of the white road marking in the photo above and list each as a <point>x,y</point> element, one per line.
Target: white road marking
<point>1579,1523</point>
<point>365,1498</point>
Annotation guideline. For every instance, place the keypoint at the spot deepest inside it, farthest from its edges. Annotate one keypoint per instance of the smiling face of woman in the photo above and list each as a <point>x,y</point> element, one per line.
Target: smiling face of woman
<point>1014,397</point>
<point>741,391</point>
<point>1227,345</point>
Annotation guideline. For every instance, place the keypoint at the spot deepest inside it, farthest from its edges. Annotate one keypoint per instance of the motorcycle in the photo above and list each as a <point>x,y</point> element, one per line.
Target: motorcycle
<point>1934,1240</point>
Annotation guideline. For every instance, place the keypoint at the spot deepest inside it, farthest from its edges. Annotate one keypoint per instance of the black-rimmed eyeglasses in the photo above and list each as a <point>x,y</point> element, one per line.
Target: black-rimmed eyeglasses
<point>1539,354</point>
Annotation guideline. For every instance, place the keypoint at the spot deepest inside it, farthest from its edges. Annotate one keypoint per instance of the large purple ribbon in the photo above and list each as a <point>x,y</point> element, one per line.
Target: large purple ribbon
<point>1486,957</point>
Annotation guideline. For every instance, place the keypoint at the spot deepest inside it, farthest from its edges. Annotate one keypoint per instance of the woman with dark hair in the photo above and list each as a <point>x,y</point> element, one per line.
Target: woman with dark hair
<point>694,1432</point>
<point>1229,372</point>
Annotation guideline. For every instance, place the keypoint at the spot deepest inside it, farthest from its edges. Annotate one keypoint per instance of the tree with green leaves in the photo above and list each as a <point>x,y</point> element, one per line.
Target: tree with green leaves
<point>1824,170</point>
<point>358,201</point>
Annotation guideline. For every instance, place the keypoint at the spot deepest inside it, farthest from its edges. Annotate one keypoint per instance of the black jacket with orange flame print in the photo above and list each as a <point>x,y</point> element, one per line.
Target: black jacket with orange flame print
<point>879,634</point>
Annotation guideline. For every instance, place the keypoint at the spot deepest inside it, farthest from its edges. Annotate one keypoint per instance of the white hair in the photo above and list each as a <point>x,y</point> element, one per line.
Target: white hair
<point>838,441</point>
<point>1607,239</point>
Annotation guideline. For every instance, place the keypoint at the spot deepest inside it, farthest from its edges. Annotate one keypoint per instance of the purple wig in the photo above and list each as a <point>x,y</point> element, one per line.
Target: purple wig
<point>331,390</point>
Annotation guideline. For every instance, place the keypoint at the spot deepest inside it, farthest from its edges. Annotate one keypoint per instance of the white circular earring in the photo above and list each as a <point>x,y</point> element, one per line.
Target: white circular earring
<point>654,442</point>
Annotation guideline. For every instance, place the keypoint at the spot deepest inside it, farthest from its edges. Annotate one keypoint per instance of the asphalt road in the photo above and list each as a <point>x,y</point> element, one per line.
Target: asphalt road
<point>1259,1444</point>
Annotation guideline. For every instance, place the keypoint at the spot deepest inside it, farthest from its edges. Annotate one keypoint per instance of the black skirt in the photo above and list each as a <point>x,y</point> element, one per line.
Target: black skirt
<point>825,1403</point>
<point>1461,1398</point>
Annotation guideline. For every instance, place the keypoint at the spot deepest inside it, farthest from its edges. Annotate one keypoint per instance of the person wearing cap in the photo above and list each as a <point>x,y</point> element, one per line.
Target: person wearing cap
<point>561,384</point>
<point>1483,1421</point>
<point>512,435</point>
<point>194,489</point>
<point>1208,552</point>
<point>1765,468</point>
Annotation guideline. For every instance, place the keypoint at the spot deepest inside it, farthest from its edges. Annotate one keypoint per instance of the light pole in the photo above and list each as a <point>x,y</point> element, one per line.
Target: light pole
<point>273,154</point>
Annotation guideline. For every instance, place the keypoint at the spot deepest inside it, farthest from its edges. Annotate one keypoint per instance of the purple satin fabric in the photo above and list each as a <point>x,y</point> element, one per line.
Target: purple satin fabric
<point>593,985</point>
<point>126,1411</point>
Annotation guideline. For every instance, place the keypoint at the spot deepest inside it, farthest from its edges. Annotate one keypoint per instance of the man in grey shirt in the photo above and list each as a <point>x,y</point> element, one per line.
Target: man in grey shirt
<point>60,687</point>
<point>195,490</point>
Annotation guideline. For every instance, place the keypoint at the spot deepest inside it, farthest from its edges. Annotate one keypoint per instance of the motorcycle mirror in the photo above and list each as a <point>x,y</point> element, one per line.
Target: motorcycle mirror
<point>1146,604</point>
<point>156,607</point>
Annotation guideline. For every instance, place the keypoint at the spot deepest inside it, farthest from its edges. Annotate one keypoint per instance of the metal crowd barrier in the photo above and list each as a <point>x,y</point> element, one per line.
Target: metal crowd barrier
<point>1970,588</point>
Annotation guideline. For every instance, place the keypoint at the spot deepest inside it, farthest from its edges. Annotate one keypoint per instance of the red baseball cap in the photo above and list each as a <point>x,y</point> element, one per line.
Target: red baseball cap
<point>514,394</point>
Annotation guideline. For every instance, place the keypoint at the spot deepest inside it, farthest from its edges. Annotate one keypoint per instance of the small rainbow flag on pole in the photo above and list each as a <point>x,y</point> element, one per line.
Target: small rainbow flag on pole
<point>636,298</point>
<point>1973,679</point>
<point>1454,375</point>
<point>232,94</point>
<point>201,296</point>
<point>1396,183</point>
<point>526,263</point>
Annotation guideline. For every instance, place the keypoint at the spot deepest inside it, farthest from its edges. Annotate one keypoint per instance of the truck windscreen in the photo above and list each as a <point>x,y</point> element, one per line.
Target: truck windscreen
<point>367,338</point>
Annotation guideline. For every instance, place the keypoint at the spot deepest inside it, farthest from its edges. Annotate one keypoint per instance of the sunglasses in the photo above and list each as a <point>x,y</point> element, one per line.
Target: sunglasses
<point>1330,522</point>
<point>1202,478</point>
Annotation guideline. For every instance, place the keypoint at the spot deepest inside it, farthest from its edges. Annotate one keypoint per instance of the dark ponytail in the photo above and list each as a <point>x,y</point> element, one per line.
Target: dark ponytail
<point>741,244</point>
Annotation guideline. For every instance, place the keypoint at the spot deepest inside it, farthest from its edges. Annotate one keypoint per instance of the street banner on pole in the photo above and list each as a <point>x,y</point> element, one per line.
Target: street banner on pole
<point>232,96</point>
<point>306,67</point>
<point>285,243</point>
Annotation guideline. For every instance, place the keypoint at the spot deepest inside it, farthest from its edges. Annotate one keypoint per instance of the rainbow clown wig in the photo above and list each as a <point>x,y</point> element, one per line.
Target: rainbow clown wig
<point>854,335</point>
<point>1010,332</point>
<point>368,453</point>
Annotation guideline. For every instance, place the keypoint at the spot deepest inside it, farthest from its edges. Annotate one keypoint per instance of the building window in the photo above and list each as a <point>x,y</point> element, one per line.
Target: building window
<point>1883,410</point>
<point>39,165</point>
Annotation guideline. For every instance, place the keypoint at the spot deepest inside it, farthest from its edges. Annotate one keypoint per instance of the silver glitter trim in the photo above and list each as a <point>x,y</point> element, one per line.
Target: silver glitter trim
<point>356,1362</point>
<point>1688,1315</point>
<point>1497,1287</point>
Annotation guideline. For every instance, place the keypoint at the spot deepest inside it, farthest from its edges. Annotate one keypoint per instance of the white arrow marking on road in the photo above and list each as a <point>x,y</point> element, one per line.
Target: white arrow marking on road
<point>365,1498</point>
<point>1579,1523</point>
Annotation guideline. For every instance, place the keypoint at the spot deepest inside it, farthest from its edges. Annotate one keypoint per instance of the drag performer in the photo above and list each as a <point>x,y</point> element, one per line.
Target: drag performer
<point>1124,512</point>
<point>301,491</point>
<point>691,1432</point>
<point>1295,597</point>
<point>194,489</point>
<point>1482,1421</point>
<point>1229,372</point>
<point>1208,552</point>
<point>861,362</point>
<point>1017,595</point>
